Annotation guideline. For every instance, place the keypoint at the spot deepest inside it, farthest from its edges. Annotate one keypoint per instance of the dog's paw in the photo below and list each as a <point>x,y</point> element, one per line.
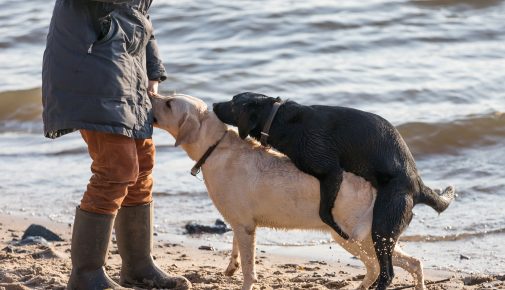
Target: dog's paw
<point>232,268</point>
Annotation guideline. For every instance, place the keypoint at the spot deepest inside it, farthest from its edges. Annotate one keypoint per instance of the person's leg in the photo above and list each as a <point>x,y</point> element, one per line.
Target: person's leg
<point>141,192</point>
<point>90,241</point>
<point>134,230</point>
<point>114,168</point>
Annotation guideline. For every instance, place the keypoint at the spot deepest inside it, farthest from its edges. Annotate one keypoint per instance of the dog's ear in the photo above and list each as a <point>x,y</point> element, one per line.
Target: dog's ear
<point>247,121</point>
<point>188,130</point>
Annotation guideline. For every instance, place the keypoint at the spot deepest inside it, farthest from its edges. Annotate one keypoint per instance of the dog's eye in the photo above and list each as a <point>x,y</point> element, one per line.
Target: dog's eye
<point>168,104</point>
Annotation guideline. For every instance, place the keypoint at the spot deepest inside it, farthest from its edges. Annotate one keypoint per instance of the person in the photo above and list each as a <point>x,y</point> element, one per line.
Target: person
<point>100,63</point>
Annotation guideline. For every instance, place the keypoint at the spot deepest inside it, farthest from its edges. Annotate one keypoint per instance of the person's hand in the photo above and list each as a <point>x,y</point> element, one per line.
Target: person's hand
<point>152,88</point>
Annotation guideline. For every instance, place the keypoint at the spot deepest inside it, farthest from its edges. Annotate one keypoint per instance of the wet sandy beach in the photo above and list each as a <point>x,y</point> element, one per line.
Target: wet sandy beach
<point>202,262</point>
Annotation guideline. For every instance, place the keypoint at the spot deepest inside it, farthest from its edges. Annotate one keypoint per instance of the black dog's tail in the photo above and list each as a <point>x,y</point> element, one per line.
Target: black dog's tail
<point>436,201</point>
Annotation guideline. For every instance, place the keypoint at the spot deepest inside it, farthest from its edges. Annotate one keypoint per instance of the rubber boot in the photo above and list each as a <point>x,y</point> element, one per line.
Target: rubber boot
<point>90,241</point>
<point>134,235</point>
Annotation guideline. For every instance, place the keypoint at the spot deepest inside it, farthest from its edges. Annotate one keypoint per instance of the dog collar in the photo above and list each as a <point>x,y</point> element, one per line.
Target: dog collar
<point>196,169</point>
<point>268,124</point>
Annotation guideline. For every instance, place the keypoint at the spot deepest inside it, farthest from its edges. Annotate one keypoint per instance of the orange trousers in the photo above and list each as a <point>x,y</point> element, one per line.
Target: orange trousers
<point>122,172</point>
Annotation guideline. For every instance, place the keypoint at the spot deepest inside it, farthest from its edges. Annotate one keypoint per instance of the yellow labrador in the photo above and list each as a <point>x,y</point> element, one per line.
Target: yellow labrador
<point>253,186</point>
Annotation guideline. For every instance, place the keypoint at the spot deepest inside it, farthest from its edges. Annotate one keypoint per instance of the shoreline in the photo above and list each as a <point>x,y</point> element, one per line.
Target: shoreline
<point>278,267</point>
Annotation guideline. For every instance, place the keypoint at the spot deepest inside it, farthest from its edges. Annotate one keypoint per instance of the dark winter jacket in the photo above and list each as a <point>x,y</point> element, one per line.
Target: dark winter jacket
<point>98,59</point>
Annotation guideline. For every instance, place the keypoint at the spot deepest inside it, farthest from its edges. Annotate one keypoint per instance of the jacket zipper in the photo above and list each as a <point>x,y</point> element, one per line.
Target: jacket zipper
<point>90,49</point>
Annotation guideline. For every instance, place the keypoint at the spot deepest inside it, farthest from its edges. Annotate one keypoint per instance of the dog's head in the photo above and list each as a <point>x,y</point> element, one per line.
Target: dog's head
<point>181,115</point>
<point>248,111</point>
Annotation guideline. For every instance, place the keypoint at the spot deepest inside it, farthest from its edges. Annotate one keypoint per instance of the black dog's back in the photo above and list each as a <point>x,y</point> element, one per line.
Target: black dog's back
<point>364,143</point>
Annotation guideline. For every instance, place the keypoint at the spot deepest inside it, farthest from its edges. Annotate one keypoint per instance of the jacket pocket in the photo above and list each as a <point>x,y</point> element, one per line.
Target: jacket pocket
<point>107,28</point>
<point>106,69</point>
<point>127,25</point>
<point>131,26</point>
<point>136,29</point>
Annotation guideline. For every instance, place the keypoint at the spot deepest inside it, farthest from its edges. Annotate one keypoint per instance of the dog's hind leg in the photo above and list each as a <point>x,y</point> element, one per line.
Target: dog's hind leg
<point>392,213</point>
<point>365,252</point>
<point>329,187</point>
<point>411,265</point>
<point>246,239</point>
<point>234,259</point>
<point>372,272</point>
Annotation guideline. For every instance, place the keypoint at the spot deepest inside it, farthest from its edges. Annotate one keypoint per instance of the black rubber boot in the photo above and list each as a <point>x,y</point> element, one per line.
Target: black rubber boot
<point>134,235</point>
<point>90,241</point>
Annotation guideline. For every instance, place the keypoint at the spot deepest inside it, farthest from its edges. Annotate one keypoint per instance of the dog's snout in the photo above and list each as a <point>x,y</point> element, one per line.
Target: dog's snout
<point>224,111</point>
<point>219,106</point>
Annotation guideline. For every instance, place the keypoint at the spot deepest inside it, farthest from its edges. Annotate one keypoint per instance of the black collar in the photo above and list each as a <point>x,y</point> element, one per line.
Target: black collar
<point>196,169</point>
<point>268,124</point>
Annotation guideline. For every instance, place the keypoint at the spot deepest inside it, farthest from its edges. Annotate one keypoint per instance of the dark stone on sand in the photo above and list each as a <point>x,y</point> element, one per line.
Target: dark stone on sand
<point>336,284</point>
<point>8,249</point>
<point>476,279</point>
<point>206,248</point>
<point>171,245</point>
<point>219,227</point>
<point>358,278</point>
<point>463,257</point>
<point>41,231</point>
<point>318,262</point>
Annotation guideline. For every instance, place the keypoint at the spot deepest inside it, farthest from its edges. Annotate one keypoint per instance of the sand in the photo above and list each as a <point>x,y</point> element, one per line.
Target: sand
<point>48,267</point>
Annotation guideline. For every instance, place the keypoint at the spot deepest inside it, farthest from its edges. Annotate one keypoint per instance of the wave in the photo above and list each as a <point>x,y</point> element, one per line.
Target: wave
<point>180,193</point>
<point>21,105</point>
<point>477,4</point>
<point>409,238</point>
<point>450,238</point>
<point>451,136</point>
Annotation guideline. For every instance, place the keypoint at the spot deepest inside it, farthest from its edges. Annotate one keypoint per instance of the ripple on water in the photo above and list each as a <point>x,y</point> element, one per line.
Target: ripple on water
<point>434,68</point>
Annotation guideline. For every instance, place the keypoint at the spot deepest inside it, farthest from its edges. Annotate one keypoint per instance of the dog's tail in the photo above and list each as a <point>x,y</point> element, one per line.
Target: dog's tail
<point>436,201</point>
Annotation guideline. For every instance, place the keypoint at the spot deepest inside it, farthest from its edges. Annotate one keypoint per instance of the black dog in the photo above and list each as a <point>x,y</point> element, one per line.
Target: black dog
<point>323,141</point>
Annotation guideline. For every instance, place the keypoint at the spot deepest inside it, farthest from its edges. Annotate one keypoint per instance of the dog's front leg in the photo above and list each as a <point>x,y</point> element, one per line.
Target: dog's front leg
<point>246,238</point>
<point>329,187</point>
<point>234,259</point>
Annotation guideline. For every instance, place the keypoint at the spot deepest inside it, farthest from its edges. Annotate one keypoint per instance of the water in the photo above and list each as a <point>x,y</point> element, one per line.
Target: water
<point>433,68</point>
